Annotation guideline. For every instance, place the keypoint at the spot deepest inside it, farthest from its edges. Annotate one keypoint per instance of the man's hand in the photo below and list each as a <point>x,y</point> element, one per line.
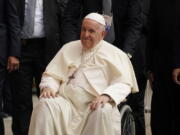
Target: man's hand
<point>48,93</point>
<point>101,100</point>
<point>13,63</point>
<point>176,75</point>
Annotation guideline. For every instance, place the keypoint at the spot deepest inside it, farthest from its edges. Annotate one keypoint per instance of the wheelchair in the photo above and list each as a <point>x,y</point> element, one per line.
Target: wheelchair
<point>127,119</point>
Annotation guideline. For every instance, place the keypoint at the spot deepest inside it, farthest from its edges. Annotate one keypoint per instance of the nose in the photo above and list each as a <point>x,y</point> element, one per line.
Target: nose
<point>86,34</point>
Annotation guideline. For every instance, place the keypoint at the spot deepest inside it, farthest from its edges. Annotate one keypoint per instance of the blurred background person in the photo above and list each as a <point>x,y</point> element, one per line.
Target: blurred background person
<point>9,45</point>
<point>163,59</point>
<point>40,22</point>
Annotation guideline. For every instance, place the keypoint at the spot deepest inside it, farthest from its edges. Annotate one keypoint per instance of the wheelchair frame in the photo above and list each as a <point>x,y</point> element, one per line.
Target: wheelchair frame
<point>127,120</point>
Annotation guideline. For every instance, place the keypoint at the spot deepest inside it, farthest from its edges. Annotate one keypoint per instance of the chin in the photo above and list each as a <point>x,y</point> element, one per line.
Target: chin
<point>87,46</point>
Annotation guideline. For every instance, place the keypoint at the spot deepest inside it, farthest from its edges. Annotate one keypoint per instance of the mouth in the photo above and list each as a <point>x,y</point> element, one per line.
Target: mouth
<point>86,39</point>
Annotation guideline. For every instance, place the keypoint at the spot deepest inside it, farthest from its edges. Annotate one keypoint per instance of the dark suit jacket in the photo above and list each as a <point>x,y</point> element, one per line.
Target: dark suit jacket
<point>163,44</point>
<point>176,55</point>
<point>9,31</point>
<point>9,38</point>
<point>176,46</point>
<point>52,22</point>
<point>163,35</point>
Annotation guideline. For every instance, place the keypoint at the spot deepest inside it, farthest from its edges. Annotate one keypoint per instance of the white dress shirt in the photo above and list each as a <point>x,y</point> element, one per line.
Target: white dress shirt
<point>38,31</point>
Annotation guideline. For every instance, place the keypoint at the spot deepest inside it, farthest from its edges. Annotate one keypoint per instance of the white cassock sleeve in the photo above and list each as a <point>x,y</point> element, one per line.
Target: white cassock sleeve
<point>49,82</point>
<point>118,92</point>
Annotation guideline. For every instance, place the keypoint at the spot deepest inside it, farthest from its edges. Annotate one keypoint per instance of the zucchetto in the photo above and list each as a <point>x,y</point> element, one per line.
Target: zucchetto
<point>96,17</point>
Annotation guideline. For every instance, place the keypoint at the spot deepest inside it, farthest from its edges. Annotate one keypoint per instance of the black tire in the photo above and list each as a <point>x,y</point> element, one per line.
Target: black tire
<point>127,121</point>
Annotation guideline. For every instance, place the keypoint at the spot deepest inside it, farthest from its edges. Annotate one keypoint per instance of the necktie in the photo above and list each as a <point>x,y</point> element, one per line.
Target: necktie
<point>107,10</point>
<point>28,27</point>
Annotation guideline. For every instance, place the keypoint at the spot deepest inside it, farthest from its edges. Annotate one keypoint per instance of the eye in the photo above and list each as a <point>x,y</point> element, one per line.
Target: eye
<point>91,31</point>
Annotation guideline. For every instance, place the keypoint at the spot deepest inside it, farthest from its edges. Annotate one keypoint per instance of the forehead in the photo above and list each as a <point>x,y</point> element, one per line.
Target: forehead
<point>90,23</point>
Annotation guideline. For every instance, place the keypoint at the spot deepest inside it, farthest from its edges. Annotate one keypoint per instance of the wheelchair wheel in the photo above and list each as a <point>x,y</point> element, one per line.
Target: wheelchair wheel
<point>127,121</point>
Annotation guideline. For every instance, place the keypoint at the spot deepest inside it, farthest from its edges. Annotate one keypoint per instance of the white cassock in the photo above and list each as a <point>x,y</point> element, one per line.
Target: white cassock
<point>80,76</point>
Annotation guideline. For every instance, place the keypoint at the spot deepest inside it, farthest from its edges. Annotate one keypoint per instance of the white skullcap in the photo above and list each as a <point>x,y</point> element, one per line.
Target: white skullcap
<point>96,17</point>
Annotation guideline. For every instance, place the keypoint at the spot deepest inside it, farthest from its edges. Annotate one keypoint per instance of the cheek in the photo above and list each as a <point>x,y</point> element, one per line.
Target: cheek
<point>81,34</point>
<point>97,37</point>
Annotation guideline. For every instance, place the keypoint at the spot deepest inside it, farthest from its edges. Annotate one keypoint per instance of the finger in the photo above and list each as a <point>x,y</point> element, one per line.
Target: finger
<point>175,78</point>
<point>57,94</point>
<point>8,66</point>
<point>178,82</point>
<point>53,95</point>
<point>12,67</point>
<point>42,95</point>
<point>97,105</point>
<point>45,94</point>
<point>49,94</point>
<point>92,106</point>
<point>15,66</point>
<point>93,103</point>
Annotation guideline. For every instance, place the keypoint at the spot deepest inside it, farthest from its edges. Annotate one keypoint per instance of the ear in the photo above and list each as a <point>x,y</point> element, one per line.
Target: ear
<point>103,34</point>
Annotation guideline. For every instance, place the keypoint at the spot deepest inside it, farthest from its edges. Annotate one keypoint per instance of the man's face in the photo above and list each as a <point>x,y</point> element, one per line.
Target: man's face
<point>91,33</point>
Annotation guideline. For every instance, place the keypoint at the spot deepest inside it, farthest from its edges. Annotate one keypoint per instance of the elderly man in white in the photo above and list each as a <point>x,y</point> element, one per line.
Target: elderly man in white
<point>82,86</point>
